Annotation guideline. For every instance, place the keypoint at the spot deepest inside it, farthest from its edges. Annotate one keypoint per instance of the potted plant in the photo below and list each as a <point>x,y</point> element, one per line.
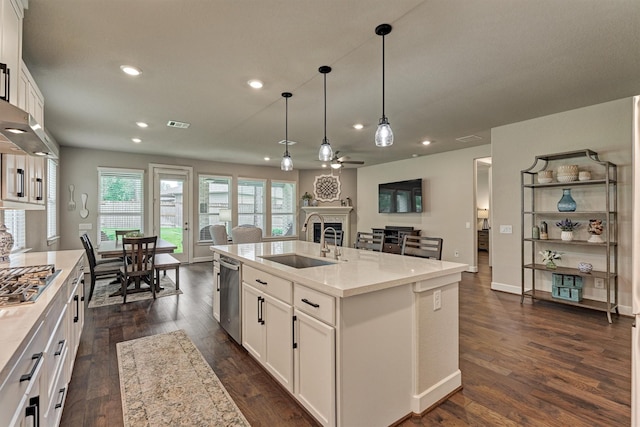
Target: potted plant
<point>306,199</point>
<point>549,257</point>
<point>567,226</point>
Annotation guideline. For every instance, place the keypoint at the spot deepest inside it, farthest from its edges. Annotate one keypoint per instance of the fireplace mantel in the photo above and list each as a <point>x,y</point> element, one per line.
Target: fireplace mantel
<point>339,214</point>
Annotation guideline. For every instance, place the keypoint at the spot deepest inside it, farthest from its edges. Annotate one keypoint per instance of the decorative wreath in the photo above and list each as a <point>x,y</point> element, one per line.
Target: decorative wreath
<point>326,188</point>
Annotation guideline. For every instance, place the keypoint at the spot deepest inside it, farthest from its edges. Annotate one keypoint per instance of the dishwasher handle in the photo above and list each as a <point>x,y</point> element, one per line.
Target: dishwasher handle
<point>225,264</point>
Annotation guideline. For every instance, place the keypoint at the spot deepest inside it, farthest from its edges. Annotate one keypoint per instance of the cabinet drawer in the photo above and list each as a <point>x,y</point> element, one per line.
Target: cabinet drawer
<point>317,304</point>
<point>268,283</point>
<point>56,351</point>
<point>29,364</point>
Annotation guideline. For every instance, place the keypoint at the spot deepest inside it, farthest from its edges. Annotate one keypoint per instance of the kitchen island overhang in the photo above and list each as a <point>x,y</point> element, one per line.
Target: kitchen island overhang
<point>396,326</point>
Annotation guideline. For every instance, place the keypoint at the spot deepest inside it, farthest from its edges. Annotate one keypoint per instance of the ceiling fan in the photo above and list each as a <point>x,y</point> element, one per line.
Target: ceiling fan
<point>337,162</point>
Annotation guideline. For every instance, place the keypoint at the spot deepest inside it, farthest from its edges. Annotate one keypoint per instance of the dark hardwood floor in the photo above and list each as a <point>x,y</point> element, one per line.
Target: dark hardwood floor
<point>541,364</point>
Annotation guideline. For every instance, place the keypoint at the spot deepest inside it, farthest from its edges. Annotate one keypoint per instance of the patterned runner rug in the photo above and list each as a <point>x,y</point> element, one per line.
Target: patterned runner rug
<point>165,381</point>
<point>104,288</point>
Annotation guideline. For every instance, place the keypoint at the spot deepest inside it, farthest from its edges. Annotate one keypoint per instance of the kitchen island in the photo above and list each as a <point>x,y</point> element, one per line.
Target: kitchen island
<point>364,340</point>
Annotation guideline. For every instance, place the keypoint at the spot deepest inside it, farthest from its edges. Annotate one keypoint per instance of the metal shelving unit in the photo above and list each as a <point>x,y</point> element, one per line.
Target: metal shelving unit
<point>602,205</point>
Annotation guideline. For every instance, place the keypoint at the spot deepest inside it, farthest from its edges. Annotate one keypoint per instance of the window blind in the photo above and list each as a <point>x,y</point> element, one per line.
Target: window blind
<point>214,195</point>
<point>52,198</point>
<point>15,221</point>
<point>120,201</point>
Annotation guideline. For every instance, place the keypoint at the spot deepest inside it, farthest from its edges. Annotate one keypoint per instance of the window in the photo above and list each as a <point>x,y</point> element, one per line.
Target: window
<point>283,208</point>
<point>214,196</point>
<point>251,202</point>
<point>15,222</point>
<point>52,198</point>
<point>121,201</point>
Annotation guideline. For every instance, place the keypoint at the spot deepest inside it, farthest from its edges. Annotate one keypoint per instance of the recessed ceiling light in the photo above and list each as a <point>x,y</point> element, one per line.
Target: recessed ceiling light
<point>256,84</point>
<point>142,124</point>
<point>131,70</point>
<point>41,153</point>
<point>267,158</point>
<point>136,140</point>
<point>426,142</point>
<point>358,126</point>
<point>15,130</point>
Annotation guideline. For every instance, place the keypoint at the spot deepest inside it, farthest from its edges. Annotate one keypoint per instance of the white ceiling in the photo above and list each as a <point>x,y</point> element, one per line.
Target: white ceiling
<point>453,68</point>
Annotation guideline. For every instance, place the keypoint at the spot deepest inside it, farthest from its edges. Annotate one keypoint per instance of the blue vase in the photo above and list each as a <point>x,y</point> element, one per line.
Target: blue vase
<point>566,203</point>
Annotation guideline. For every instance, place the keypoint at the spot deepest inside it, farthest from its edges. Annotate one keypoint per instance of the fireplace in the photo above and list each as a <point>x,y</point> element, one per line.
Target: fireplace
<point>317,232</point>
<point>337,217</point>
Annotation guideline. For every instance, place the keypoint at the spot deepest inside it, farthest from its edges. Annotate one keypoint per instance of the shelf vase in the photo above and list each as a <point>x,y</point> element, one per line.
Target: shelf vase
<point>566,203</point>
<point>566,235</point>
<point>551,265</point>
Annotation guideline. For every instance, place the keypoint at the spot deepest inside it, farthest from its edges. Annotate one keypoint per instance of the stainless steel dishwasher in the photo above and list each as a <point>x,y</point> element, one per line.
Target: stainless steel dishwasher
<point>230,282</point>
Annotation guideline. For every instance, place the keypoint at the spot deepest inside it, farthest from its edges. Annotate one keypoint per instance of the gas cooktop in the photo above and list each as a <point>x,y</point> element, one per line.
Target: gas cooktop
<point>23,285</point>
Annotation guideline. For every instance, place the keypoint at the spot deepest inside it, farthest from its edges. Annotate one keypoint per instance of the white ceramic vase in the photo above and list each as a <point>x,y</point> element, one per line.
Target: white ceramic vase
<point>6,243</point>
<point>566,235</point>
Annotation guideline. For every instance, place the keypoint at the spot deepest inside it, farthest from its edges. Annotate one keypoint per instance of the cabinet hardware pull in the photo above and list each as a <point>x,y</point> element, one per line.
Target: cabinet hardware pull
<point>312,304</point>
<point>59,352</point>
<point>218,282</point>
<point>59,404</point>
<point>39,194</point>
<point>33,410</point>
<point>260,310</point>
<point>27,377</point>
<point>20,193</point>
<point>4,69</point>
<point>293,335</point>
<point>262,282</point>
<point>77,316</point>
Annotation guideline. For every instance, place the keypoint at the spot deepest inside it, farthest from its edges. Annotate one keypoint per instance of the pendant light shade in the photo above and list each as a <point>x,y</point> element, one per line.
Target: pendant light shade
<point>287,163</point>
<point>384,134</point>
<point>326,153</point>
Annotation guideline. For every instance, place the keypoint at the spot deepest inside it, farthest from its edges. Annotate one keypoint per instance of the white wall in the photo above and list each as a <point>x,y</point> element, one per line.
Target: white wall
<point>604,128</point>
<point>448,194</point>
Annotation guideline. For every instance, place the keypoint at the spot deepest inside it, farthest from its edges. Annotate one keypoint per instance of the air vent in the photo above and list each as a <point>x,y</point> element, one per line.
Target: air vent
<point>290,142</point>
<point>470,138</point>
<point>179,125</point>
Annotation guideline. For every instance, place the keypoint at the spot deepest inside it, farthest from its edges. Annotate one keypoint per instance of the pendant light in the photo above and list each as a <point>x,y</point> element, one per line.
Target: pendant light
<point>287,163</point>
<point>384,134</point>
<point>326,153</point>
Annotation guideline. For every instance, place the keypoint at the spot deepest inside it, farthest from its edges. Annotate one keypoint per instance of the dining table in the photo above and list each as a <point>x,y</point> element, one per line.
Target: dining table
<point>111,249</point>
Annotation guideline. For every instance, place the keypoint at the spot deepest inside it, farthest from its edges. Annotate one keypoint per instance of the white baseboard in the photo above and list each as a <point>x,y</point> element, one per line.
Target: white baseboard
<point>202,259</point>
<point>472,269</point>
<point>425,400</point>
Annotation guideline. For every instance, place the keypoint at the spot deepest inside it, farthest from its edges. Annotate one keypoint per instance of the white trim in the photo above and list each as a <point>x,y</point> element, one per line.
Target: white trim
<point>425,400</point>
<point>503,287</point>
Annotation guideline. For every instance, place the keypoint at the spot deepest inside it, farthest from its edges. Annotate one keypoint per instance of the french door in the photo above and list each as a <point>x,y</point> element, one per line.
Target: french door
<point>172,208</point>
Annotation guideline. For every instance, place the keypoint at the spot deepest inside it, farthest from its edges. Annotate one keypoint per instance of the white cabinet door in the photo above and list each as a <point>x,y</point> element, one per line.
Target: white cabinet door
<point>35,172</point>
<point>278,329</point>
<point>252,323</point>
<point>14,177</point>
<point>315,364</point>
<point>11,43</point>
<point>216,292</point>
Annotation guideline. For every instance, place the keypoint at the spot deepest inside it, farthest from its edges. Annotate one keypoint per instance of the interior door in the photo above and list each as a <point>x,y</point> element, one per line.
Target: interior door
<point>171,209</point>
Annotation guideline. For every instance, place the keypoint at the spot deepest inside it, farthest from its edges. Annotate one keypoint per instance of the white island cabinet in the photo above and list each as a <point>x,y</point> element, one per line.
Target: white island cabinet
<point>358,341</point>
<point>40,342</point>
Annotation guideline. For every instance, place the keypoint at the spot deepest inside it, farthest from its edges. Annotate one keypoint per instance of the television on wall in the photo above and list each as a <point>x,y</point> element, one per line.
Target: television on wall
<point>400,197</point>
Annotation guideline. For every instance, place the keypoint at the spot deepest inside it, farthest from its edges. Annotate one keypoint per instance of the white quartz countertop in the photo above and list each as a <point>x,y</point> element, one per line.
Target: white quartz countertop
<point>357,272</point>
<point>17,322</point>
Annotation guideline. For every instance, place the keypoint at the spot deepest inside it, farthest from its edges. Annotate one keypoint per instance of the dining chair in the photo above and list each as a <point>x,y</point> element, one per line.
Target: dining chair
<point>246,234</point>
<point>422,246</point>
<point>138,255</point>
<point>99,268</point>
<point>121,233</point>
<point>331,240</point>
<point>369,241</point>
<point>219,234</point>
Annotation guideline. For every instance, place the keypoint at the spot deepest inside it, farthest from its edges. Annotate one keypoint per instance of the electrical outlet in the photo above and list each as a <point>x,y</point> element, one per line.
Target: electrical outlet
<point>437,299</point>
<point>456,254</point>
<point>598,282</point>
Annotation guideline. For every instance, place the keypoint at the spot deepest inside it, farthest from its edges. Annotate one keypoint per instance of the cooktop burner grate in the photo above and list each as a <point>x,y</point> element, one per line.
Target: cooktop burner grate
<point>20,285</point>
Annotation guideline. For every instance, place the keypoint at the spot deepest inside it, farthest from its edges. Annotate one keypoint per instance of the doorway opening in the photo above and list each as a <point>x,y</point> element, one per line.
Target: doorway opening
<point>483,209</point>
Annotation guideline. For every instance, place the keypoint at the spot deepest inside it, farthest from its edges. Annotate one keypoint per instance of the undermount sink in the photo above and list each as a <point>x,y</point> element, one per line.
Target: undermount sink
<point>297,261</point>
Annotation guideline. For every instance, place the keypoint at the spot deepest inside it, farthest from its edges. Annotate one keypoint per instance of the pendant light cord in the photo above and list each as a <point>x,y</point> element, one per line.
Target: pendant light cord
<point>325,107</point>
<point>383,116</point>
<point>286,126</point>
